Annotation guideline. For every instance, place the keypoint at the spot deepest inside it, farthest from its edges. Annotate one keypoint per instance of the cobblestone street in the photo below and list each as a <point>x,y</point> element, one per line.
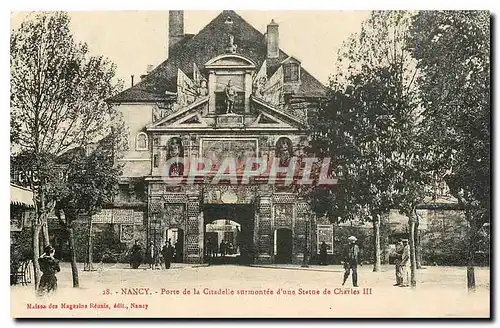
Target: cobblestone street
<point>227,291</point>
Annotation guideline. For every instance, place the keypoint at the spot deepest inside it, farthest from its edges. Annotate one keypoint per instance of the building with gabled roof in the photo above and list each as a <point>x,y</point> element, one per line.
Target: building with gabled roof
<point>227,91</point>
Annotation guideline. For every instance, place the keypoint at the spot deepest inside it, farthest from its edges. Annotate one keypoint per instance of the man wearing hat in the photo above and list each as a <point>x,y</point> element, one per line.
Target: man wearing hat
<point>351,257</point>
<point>405,264</point>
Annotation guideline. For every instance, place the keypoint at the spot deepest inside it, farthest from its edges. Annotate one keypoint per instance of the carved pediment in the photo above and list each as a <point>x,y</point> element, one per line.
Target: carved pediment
<point>194,119</point>
<point>270,113</point>
<point>184,115</point>
<point>230,61</point>
<point>264,117</point>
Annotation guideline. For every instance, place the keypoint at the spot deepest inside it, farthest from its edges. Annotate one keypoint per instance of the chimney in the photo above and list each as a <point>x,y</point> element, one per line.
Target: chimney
<point>273,40</point>
<point>175,27</point>
<point>131,80</point>
<point>149,68</point>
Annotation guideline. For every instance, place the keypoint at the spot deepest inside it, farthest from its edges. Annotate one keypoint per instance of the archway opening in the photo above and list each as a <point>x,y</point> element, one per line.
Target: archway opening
<point>228,234</point>
<point>176,238</point>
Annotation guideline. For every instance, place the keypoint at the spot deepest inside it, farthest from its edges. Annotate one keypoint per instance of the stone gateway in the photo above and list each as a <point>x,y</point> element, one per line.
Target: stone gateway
<point>254,105</point>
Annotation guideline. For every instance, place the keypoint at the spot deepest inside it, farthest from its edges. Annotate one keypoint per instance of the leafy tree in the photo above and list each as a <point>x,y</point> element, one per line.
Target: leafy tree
<point>57,104</point>
<point>453,53</point>
<point>90,182</point>
<point>374,82</point>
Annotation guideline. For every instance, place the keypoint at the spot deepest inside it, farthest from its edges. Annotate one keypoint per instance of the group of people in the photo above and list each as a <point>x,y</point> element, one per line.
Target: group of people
<point>351,260</point>
<point>402,263</point>
<point>49,266</point>
<point>156,257</point>
<point>225,248</point>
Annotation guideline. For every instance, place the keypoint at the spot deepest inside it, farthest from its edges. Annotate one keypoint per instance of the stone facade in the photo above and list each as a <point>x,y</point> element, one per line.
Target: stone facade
<point>181,111</point>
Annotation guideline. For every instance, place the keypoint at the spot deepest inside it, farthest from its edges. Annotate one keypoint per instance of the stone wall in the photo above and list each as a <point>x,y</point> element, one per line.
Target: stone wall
<point>111,241</point>
<point>137,162</point>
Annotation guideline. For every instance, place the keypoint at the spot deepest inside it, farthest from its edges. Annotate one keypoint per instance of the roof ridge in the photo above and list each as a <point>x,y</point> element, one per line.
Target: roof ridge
<point>197,49</point>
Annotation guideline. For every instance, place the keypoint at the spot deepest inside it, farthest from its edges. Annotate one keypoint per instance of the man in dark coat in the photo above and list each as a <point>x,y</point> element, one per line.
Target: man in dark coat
<point>222,248</point>
<point>351,259</point>
<point>208,247</point>
<point>178,251</point>
<point>323,253</point>
<point>167,254</point>
<point>135,255</point>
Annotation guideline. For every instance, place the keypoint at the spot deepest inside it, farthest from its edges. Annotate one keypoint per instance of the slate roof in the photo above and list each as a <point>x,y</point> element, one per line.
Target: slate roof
<point>210,42</point>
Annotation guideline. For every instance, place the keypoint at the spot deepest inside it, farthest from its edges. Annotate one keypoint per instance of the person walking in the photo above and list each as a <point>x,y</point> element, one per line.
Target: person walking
<point>49,267</point>
<point>167,254</point>
<point>351,259</point>
<point>405,264</point>
<point>323,253</point>
<point>397,262</point>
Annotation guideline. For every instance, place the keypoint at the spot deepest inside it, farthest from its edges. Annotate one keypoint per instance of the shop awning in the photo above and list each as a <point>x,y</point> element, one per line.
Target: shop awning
<point>21,196</point>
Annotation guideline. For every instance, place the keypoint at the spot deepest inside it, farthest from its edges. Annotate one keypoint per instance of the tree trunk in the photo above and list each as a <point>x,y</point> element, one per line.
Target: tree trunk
<point>89,264</point>
<point>376,242</point>
<point>36,253</point>
<point>43,219</point>
<point>45,230</point>
<point>418,257</point>
<point>413,262</point>
<point>471,277</point>
<point>74,268</point>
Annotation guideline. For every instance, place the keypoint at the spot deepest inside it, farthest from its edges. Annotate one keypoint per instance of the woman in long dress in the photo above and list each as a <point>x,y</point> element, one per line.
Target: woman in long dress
<point>49,267</point>
<point>135,256</point>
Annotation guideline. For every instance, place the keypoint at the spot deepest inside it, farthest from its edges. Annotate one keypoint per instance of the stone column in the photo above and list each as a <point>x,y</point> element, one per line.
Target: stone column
<point>265,233</point>
<point>299,232</point>
<point>211,91</point>
<point>192,246</point>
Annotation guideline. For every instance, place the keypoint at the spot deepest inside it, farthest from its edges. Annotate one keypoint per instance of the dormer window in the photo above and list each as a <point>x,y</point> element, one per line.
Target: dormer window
<point>141,141</point>
<point>291,72</point>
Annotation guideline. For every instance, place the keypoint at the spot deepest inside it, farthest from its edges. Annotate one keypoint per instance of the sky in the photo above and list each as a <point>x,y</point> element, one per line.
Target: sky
<point>135,39</point>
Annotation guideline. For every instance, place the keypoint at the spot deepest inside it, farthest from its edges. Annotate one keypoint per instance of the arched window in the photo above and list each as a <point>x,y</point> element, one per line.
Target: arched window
<point>142,141</point>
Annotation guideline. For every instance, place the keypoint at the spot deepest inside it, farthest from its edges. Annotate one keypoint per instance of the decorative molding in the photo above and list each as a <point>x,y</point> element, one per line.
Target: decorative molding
<point>224,61</point>
<point>134,159</point>
<point>285,198</point>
